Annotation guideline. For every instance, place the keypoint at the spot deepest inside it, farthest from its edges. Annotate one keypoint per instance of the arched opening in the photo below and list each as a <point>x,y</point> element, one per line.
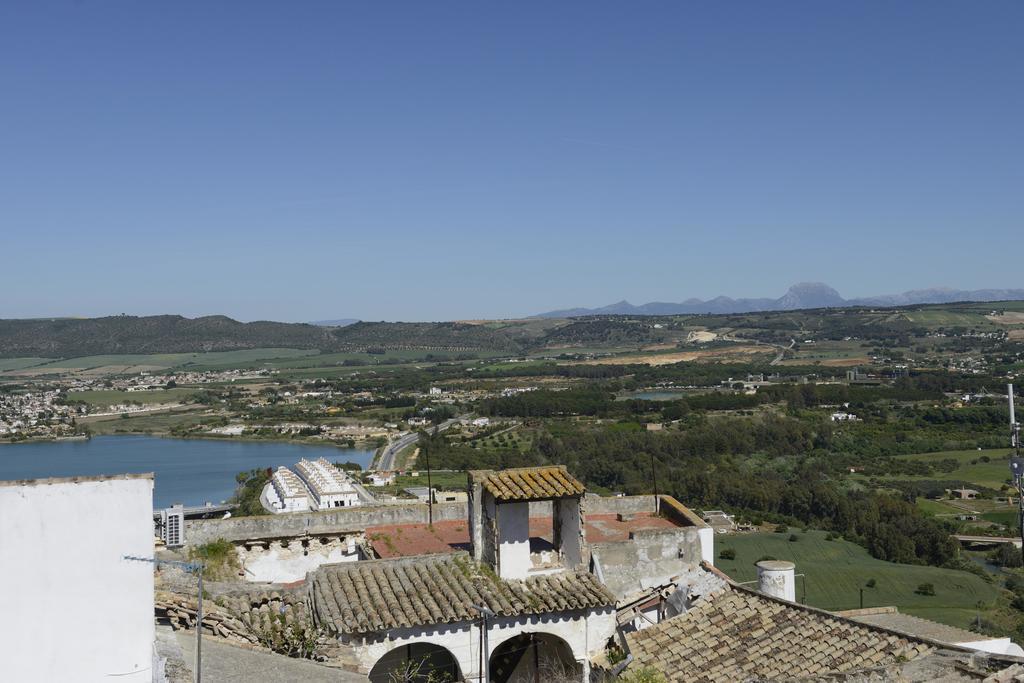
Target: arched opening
<point>416,663</point>
<point>532,657</point>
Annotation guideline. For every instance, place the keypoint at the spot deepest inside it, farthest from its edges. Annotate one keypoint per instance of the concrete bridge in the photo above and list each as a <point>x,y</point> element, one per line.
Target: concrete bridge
<point>987,540</point>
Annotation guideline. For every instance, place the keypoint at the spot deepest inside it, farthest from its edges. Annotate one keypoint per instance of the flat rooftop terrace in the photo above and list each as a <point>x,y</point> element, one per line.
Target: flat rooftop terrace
<point>402,540</point>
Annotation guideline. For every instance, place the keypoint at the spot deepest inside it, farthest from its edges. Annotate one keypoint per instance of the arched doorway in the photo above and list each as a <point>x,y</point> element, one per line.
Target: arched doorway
<point>534,658</point>
<point>416,663</point>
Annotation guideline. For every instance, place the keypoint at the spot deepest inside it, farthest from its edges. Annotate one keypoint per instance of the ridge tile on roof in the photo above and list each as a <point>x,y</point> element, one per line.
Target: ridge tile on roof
<point>529,483</point>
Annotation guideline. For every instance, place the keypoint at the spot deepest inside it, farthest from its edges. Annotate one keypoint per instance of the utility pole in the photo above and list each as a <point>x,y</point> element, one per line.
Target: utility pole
<point>430,488</point>
<point>193,568</point>
<point>1016,464</point>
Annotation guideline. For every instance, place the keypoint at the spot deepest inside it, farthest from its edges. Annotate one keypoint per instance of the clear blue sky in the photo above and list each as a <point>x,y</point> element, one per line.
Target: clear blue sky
<point>440,160</point>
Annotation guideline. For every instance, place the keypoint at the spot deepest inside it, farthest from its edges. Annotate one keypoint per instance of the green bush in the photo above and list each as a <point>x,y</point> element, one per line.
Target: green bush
<point>925,589</point>
<point>727,554</point>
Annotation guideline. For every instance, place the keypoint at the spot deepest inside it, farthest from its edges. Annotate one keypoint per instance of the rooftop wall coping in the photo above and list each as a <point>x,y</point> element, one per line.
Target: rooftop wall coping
<point>77,480</point>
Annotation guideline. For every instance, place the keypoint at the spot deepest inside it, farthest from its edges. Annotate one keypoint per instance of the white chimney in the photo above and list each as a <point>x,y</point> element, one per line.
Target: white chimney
<point>777,578</point>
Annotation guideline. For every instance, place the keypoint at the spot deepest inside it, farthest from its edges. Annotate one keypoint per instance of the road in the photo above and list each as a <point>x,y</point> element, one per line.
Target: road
<point>782,352</point>
<point>386,461</point>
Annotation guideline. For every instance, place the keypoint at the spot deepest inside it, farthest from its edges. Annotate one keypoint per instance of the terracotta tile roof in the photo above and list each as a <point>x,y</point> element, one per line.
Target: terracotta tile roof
<point>402,540</point>
<point>376,595</point>
<point>738,635</point>
<point>529,483</point>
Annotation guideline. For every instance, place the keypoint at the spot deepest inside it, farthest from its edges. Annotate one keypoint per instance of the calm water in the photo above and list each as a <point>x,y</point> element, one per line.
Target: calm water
<point>187,471</point>
<point>654,395</point>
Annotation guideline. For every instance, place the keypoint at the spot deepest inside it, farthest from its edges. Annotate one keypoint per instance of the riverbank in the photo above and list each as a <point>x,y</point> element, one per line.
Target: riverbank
<point>190,471</point>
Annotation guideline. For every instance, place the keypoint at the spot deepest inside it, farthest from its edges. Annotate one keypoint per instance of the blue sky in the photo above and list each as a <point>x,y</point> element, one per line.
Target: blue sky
<point>441,160</point>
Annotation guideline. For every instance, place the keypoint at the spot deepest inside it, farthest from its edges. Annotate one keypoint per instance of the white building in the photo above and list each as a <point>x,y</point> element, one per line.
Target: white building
<point>328,486</point>
<point>427,607</point>
<point>287,493</point>
<point>63,547</point>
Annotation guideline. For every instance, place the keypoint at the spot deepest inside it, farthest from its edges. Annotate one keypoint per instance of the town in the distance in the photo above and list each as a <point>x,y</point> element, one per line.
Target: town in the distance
<point>801,494</point>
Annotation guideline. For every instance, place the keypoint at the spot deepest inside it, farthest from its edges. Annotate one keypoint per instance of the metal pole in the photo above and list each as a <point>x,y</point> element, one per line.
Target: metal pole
<point>199,630</point>
<point>862,598</point>
<point>430,488</point>
<point>654,480</point>
<point>487,654</point>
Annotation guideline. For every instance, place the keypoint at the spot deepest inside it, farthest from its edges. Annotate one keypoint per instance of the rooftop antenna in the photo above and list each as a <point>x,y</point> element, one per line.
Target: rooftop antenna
<point>1016,464</point>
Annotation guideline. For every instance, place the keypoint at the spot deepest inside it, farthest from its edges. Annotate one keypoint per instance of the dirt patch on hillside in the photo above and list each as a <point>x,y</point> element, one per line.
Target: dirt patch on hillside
<point>736,353</point>
<point>1008,318</point>
<point>829,363</point>
<point>701,336</point>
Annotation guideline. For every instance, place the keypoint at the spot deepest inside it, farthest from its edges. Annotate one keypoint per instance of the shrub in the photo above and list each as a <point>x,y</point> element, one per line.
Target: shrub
<point>765,558</point>
<point>727,554</point>
<point>925,589</point>
<point>793,538</point>
<point>781,529</point>
<point>871,583</point>
<point>218,557</point>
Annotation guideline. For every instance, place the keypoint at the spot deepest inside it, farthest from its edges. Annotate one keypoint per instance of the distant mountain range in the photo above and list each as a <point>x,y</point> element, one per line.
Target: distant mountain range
<point>799,296</point>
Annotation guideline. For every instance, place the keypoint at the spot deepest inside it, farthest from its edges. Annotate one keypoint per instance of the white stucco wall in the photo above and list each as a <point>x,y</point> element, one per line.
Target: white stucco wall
<point>586,634</point>
<point>999,646</point>
<point>73,609</point>
<point>514,540</point>
<point>707,544</point>
<point>276,564</point>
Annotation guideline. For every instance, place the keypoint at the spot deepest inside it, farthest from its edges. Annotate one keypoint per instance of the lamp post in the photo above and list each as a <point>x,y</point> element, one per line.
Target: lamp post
<point>485,652</point>
<point>193,568</point>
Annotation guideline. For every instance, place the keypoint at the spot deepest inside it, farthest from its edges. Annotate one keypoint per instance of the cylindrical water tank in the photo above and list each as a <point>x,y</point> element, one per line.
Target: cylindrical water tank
<point>777,578</point>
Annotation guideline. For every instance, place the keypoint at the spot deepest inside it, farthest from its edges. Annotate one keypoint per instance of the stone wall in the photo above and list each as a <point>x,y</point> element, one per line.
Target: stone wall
<point>290,525</point>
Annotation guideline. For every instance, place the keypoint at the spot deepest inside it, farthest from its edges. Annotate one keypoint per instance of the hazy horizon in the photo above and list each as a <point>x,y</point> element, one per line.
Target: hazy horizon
<point>451,161</point>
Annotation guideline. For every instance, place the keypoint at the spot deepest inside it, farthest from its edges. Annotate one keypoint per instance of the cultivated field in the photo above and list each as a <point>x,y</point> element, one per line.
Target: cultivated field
<point>134,363</point>
<point>741,354</point>
<point>836,570</point>
<point>103,399</point>
<point>991,474</point>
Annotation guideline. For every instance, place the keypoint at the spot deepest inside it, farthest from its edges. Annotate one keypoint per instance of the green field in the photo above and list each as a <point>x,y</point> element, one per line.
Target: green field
<point>105,398</point>
<point>947,318</point>
<point>21,363</point>
<point>938,507</point>
<point>160,361</point>
<point>992,474</point>
<point>836,570</point>
<point>153,423</point>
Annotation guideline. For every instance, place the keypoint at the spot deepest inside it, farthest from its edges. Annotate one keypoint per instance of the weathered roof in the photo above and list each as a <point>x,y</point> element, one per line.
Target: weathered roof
<point>529,483</point>
<point>376,595</point>
<point>738,634</point>
<point>923,628</point>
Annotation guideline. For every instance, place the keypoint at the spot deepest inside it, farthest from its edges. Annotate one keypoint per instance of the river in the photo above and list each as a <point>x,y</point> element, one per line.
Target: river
<point>189,471</point>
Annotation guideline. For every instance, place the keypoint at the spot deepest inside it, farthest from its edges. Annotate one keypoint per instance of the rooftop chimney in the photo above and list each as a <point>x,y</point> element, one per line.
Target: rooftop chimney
<point>777,578</point>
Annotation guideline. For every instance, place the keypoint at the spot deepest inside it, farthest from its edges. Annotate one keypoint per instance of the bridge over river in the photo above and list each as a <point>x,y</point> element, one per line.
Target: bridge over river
<point>987,540</point>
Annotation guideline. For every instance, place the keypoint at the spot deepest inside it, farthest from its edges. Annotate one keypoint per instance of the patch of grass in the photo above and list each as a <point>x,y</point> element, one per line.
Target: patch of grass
<point>991,474</point>
<point>836,570</point>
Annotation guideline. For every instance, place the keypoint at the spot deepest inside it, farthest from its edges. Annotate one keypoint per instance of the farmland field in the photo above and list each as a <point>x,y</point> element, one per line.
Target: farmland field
<point>21,363</point>
<point>992,474</point>
<point>836,570</point>
<point>105,398</point>
<point>133,362</point>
